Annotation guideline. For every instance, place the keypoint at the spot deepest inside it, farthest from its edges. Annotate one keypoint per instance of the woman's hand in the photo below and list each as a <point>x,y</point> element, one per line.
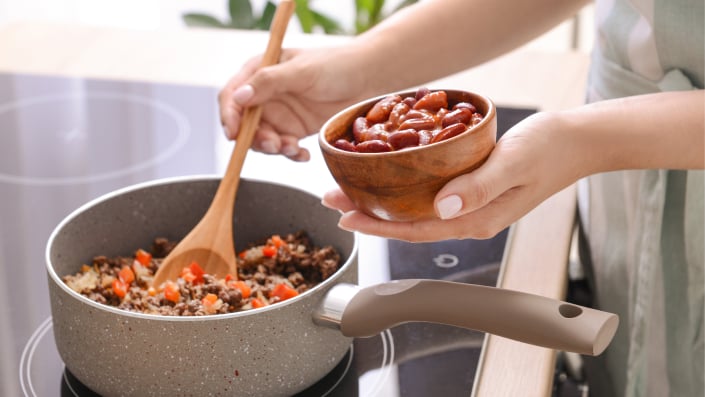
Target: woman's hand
<point>299,94</point>
<point>531,162</point>
<point>547,152</point>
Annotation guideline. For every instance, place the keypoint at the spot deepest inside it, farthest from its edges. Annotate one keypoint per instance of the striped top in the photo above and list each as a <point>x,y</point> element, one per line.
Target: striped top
<point>645,227</point>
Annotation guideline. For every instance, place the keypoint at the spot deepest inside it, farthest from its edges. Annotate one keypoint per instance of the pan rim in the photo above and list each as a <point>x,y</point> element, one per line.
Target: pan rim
<point>57,281</point>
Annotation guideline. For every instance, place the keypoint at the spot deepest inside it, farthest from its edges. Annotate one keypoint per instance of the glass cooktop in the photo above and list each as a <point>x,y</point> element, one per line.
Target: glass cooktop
<point>66,141</point>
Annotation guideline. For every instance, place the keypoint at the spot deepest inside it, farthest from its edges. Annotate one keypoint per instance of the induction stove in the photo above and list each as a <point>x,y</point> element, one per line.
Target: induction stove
<point>67,140</point>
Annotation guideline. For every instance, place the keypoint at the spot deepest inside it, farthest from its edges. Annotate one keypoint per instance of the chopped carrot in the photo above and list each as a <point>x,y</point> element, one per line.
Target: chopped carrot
<point>242,286</point>
<point>283,291</point>
<point>256,303</point>
<point>197,270</point>
<point>126,275</point>
<point>242,254</point>
<point>209,299</point>
<point>119,288</point>
<point>278,241</point>
<point>269,251</point>
<point>143,257</point>
<point>151,291</point>
<point>228,277</point>
<point>171,291</point>
<point>211,303</point>
<point>193,273</point>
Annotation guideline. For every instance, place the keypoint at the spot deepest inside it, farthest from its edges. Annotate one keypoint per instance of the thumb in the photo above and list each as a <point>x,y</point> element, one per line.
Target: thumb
<point>262,86</point>
<point>472,191</point>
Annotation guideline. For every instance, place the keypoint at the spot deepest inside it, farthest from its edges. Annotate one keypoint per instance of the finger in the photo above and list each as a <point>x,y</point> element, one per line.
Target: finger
<point>291,149</point>
<point>337,200</point>
<point>358,221</point>
<point>268,82</point>
<point>230,110</point>
<point>474,190</point>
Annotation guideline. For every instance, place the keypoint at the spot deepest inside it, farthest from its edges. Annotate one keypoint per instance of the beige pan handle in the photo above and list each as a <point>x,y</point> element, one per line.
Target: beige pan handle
<point>516,315</point>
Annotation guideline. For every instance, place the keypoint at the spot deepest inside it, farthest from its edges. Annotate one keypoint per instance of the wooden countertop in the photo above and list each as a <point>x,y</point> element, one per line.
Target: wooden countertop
<point>537,252</point>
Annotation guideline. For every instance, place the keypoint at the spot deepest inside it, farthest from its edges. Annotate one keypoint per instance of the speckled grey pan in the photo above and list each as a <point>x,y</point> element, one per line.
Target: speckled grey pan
<point>273,351</point>
<point>280,349</point>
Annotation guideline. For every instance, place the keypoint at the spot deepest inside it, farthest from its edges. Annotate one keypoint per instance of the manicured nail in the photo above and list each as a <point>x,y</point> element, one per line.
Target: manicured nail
<point>269,147</point>
<point>243,94</point>
<point>227,132</point>
<point>448,207</point>
<point>290,151</point>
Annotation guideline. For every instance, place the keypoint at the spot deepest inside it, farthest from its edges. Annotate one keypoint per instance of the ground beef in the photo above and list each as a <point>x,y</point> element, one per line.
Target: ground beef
<point>273,270</point>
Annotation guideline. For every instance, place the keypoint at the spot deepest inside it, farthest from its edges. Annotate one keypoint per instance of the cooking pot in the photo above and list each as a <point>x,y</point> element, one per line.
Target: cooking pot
<point>279,349</point>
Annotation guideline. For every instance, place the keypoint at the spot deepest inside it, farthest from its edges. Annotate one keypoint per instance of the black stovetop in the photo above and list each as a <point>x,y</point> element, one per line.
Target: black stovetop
<point>66,141</point>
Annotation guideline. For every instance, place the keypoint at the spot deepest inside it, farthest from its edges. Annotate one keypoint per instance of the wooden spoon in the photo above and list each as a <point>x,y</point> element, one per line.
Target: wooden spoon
<point>210,243</point>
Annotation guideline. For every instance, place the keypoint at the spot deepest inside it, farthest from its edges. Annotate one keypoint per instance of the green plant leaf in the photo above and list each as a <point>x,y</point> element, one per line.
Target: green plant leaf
<point>265,20</point>
<point>329,25</point>
<point>305,16</point>
<point>196,19</point>
<point>241,15</point>
<point>366,13</point>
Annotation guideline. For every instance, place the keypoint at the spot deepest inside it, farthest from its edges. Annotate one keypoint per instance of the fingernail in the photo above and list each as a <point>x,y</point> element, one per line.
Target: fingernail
<point>346,228</point>
<point>227,132</point>
<point>269,147</point>
<point>243,94</point>
<point>290,151</point>
<point>448,207</point>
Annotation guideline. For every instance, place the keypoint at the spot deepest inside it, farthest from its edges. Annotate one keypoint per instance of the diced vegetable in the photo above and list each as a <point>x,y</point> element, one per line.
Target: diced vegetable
<point>242,286</point>
<point>283,291</point>
<point>119,288</point>
<point>209,299</point>
<point>171,291</point>
<point>256,303</point>
<point>269,251</point>
<point>193,273</point>
<point>143,257</point>
<point>126,275</point>
<point>277,241</point>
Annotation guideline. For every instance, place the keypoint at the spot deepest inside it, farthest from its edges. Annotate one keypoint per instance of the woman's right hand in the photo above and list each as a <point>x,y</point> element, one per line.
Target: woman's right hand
<point>298,95</point>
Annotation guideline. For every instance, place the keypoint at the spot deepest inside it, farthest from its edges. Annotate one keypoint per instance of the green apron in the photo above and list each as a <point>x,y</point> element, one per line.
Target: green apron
<point>645,227</point>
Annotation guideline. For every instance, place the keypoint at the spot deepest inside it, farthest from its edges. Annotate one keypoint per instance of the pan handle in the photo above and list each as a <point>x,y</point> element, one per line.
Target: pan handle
<point>524,317</point>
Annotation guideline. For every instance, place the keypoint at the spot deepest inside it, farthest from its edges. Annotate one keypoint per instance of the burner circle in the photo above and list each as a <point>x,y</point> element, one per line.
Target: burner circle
<point>81,138</point>
<point>40,355</point>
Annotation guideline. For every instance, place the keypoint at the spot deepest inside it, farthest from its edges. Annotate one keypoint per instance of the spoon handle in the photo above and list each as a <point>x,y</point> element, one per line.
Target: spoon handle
<point>252,114</point>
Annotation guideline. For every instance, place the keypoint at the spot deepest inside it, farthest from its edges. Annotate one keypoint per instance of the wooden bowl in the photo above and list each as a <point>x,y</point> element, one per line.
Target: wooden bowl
<point>401,185</point>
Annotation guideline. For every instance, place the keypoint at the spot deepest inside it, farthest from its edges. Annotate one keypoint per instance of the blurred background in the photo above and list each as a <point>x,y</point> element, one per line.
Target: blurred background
<point>170,14</point>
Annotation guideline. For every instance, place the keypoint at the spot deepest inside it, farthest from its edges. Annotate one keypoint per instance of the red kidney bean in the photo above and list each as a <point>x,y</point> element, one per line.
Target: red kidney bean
<point>380,111</point>
<point>465,105</point>
<point>425,137</point>
<point>395,123</point>
<point>346,145</point>
<point>421,92</point>
<point>449,132</point>
<point>397,115</point>
<point>432,101</point>
<point>376,132</point>
<point>460,115</point>
<point>418,124</point>
<point>373,146</point>
<point>404,138</point>
<point>417,114</point>
<point>359,127</point>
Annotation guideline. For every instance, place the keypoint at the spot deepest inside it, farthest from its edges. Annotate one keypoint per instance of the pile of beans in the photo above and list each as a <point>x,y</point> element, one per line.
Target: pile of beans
<point>396,123</point>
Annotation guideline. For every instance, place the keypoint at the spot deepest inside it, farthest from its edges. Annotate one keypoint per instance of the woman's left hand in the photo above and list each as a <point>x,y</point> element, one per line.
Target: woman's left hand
<point>531,162</point>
